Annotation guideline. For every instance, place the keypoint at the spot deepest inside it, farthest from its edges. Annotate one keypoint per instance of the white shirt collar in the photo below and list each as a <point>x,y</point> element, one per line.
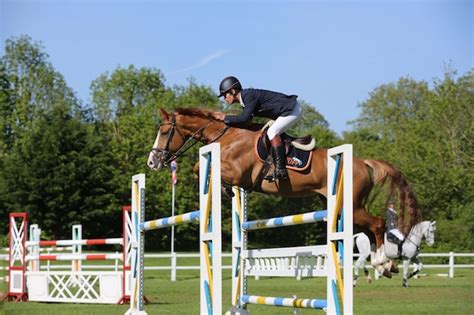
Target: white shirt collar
<point>241,100</point>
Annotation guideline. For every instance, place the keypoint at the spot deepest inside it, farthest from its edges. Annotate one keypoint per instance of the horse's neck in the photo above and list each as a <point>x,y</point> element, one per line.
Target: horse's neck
<point>237,137</point>
<point>201,129</point>
<point>418,232</point>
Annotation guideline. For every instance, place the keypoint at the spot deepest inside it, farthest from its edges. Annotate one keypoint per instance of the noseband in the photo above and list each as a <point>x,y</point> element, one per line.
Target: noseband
<point>166,156</point>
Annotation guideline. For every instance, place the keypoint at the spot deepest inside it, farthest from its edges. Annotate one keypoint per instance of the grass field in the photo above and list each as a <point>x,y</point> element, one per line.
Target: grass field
<point>430,294</point>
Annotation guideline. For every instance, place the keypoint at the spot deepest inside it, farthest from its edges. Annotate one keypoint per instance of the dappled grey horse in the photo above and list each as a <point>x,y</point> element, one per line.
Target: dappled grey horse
<point>408,251</point>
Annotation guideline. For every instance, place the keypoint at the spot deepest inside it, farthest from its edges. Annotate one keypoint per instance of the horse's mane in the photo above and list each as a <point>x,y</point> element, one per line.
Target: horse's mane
<point>208,114</point>
<point>204,113</point>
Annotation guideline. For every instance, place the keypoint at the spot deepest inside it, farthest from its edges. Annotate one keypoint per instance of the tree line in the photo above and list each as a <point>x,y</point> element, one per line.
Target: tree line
<point>67,162</point>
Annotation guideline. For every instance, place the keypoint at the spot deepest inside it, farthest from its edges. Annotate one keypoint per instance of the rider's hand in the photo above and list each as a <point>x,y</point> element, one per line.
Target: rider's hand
<point>219,116</point>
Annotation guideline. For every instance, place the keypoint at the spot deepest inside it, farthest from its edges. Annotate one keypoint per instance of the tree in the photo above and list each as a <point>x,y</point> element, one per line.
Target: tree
<point>428,134</point>
<point>48,165</point>
<point>126,104</point>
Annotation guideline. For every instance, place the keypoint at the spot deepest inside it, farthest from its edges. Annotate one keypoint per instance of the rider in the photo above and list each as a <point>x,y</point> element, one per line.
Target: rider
<point>393,233</point>
<point>284,109</point>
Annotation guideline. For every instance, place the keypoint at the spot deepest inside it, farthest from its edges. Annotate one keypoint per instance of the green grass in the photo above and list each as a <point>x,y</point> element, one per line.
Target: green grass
<point>428,295</point>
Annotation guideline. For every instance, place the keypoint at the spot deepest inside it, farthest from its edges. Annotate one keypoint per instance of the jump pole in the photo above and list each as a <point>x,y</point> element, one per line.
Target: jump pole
<point>30,283</point>
<point>340,240</point>
<point>336,254</point>
<point>209,217</point>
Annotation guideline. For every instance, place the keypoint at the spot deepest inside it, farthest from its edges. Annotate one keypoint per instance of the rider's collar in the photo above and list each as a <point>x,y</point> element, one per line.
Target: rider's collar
<point>241,99</point>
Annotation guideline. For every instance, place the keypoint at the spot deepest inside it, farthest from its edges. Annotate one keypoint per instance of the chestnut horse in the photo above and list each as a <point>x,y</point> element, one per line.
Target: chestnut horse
<point>241,167</point>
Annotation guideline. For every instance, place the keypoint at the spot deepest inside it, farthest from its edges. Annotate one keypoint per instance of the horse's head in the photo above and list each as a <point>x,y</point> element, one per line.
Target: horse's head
<point>430,233</point>
<point>168,141</point>
<point>174,132</point>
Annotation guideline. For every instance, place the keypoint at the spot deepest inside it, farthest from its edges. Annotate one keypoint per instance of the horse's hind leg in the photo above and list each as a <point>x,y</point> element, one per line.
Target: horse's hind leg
<point>367,275</point>
<point>376,226</point>
<point>358,264</point>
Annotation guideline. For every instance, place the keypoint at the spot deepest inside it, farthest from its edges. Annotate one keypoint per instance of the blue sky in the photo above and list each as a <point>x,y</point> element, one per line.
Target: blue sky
<point>330,53</point>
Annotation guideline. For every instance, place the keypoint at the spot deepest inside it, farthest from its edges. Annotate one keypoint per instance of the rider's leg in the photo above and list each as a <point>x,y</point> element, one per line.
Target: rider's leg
<point>279,157</point>
<point>282,123</point>
<point>398,235</point>
<point>278,149</point>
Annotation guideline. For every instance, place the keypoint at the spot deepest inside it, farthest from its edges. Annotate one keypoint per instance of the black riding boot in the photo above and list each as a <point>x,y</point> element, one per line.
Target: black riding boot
<point>279,158</point>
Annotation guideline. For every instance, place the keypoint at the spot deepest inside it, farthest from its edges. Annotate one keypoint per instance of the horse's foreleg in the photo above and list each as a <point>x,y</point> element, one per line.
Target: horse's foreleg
<point>196,171</point>
<point>406,266</point>
<point>417,265</point>
<point>394,267</point>
<point>375,225</point>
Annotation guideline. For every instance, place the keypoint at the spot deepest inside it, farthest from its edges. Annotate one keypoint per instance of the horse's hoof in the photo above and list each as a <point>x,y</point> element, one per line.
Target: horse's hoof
<point>405,284</point>
<point>369,281</point>
<point>387,274</point>
<point>394,269</point>
<point>228,192</point>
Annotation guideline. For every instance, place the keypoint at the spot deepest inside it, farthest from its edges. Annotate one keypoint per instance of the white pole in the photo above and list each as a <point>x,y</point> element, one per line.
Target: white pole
<point>451,264</point>
<point>173,257</point>
<point>210,228</point>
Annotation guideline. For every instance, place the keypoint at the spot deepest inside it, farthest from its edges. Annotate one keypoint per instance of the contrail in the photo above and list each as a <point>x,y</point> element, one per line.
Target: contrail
<point>204,61</point>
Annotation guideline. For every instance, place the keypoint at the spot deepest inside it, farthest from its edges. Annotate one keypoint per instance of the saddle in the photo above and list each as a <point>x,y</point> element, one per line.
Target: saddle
<point>298,150</point>
<point>393,239</point>
<point>396,241</point>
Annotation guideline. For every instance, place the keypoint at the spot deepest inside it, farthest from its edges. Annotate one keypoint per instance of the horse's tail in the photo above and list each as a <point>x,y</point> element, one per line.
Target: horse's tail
<point>409,213</point>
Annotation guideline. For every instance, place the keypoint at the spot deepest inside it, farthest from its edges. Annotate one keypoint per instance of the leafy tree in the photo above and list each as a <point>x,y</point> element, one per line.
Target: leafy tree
<point>427,133</point>
<point>48,168</point>
<point>126,104</point>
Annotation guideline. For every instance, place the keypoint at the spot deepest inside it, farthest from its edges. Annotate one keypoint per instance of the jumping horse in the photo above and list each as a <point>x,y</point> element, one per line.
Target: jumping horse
<point>241,167</point>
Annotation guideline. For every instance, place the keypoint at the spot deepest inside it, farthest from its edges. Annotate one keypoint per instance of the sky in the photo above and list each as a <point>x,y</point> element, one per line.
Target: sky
<point>331,54</point>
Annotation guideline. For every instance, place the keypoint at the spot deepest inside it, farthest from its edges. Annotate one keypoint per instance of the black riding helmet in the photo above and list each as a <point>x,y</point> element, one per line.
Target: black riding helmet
<point>229,83</point>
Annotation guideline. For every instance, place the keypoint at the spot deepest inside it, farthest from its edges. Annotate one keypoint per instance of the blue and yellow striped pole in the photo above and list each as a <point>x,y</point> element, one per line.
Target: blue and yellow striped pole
<point>287,302</point>
<point>289,220</point>
<point>170,221</point>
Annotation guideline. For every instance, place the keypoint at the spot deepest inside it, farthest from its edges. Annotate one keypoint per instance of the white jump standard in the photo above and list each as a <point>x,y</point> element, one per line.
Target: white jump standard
<point>314,261</point>
<point>209,217</point>
<point>28,282</point>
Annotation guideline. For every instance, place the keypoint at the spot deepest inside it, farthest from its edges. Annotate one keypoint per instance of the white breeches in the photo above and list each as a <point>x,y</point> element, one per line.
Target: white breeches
<point>282,123</point>
<point>398,234</point>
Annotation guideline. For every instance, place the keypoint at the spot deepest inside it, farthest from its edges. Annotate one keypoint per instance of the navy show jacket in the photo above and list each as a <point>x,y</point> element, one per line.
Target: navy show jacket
<point>262,103</point>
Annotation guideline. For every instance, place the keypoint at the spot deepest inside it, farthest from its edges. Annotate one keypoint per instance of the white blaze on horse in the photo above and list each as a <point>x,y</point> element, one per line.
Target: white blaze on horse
<point>408,251</point>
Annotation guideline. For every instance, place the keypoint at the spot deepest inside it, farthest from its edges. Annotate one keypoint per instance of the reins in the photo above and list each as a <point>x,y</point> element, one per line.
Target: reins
<point>167,157</point>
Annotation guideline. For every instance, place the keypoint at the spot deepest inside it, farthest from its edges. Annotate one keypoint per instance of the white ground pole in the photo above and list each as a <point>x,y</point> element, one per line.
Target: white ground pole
<point>210,233</point>
<point>76,265</point>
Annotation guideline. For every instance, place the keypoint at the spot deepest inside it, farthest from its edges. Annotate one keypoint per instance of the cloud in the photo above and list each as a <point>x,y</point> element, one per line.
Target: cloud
<point>206,60</point>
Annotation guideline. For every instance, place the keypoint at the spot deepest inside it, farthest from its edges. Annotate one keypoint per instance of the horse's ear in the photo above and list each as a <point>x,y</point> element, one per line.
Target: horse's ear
<point>433,223</point>
<point>164,115</point>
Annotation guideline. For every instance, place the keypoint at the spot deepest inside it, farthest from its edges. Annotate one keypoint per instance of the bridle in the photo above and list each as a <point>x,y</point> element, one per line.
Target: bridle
<point>166,155</point>
<point>430,233</point>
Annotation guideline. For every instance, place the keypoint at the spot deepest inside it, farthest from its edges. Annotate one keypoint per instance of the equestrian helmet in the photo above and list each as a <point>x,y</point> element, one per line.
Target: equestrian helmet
<point>229,83</point>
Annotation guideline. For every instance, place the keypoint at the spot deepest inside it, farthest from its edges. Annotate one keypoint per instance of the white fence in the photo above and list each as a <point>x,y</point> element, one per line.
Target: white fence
<point>174,267</point>
<point>451,264</point>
